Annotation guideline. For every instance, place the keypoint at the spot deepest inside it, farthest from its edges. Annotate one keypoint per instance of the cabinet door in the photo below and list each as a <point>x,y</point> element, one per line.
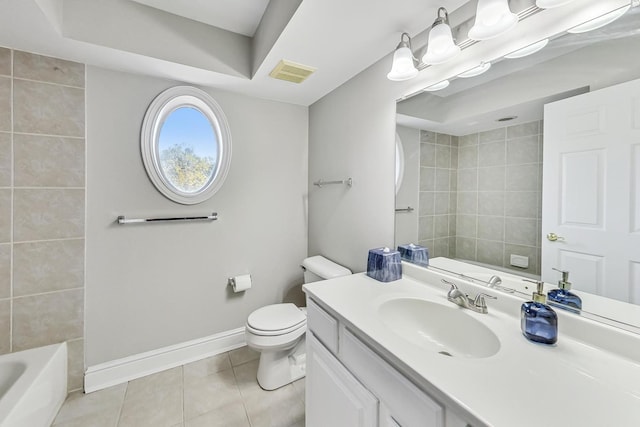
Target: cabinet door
<point>334,397</point>
<point>402,403</point>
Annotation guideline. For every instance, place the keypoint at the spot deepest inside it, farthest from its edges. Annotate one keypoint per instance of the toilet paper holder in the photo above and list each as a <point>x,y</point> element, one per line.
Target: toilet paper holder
<point>239,283</point>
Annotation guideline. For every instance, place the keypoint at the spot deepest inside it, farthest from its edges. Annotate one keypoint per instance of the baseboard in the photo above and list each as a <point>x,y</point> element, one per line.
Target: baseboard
<point>139,365</point>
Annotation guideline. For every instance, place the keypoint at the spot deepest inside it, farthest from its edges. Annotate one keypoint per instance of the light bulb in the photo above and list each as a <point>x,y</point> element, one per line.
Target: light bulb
<point>493,18</point>
<point>403,67</point>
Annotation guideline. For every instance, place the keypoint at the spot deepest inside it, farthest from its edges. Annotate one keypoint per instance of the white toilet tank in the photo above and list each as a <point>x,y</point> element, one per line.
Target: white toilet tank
<point>319,268</point>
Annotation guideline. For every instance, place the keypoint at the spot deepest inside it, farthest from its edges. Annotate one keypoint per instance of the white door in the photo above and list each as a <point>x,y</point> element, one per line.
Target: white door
<point>591,191</point>
<point>334,397</point>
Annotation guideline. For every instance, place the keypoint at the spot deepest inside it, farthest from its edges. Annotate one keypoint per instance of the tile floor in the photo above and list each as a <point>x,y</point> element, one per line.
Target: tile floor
<point>218,391</point>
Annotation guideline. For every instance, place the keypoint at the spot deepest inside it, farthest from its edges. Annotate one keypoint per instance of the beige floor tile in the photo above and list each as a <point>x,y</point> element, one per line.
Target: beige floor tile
<point>100,408</point>
<point>154,401</point>
<point>300,388</point>
<point>162,407</point>
<point>278,408</point>
<point>196,395</point>
<point>246,378</point>
<point>228,416</point>
<point>216,391</point>
<point>207,366</point>
<point>242,355</point>
<point>170,378</point>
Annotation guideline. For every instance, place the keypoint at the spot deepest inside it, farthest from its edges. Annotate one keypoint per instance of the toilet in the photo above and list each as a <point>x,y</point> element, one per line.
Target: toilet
<point>277,331</point>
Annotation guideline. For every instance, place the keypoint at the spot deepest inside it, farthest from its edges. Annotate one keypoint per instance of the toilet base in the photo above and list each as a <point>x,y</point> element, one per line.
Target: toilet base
<point>279,368</point>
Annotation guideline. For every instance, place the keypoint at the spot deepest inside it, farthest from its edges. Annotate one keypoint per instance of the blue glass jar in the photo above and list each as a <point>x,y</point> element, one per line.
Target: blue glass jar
<point>561,296</point>
<point>565,298</point>
<point>538,321</point>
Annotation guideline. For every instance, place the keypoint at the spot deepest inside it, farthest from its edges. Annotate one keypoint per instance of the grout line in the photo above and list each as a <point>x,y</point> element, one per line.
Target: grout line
<point>11,216</point>
<point>49,188</point>
<point>48,135</point>
<point>61,239</point>
<point>49,83</point>
<point>124,398</point>
<point>49,293</point>
<point>182,394</point>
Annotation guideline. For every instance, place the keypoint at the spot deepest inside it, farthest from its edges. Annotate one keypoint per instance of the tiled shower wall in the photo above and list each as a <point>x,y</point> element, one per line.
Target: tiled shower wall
<point>497,207</point>
<point>437,212</point>
<point>42,205</point>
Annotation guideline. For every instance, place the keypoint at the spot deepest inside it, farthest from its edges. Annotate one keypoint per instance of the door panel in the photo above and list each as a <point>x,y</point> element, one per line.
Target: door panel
<point>591,191</point>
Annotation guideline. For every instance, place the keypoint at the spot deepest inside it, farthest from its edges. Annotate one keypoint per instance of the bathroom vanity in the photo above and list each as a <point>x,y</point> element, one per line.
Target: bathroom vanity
<point>400,354</point>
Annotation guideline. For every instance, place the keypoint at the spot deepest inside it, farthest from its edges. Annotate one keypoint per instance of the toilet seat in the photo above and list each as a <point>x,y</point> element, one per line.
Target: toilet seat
<point>276,319</point>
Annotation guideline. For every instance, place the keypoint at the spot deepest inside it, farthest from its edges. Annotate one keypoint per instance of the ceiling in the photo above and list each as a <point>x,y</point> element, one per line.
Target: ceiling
<point>237,16</point>
<point>228,44</point>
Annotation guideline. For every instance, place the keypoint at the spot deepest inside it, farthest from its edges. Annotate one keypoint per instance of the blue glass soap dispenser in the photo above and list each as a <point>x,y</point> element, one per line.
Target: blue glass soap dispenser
<point>562,295</point>
<point>538,321</point>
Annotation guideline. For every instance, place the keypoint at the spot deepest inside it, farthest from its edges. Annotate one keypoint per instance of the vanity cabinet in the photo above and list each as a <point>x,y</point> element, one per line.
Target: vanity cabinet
<point>341,399</point>
<point>348,384</point>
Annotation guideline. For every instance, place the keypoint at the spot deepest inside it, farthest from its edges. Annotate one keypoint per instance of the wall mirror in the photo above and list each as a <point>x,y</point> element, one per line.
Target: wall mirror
<point>475,156</point>
<point>186,144</point>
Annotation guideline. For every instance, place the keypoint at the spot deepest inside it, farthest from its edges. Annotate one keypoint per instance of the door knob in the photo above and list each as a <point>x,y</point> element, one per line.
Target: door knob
<point>553,237</point>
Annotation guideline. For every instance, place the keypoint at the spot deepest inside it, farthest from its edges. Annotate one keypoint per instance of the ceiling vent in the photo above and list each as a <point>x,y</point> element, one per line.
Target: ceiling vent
<point>291,72</point>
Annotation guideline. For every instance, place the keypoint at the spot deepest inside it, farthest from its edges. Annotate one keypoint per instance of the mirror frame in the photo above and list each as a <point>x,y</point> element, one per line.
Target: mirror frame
<point>159,110</point>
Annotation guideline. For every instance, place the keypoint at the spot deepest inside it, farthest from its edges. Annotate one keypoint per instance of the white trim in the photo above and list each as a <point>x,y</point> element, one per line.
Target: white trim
<point>139,365</point>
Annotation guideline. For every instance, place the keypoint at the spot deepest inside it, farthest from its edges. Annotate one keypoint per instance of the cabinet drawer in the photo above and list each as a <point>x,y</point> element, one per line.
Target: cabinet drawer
<point>407,405</point>
<point>323,326</point>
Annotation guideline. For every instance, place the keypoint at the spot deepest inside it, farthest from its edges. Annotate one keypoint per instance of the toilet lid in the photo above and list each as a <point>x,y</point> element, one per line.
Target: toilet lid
<point>276,317</point>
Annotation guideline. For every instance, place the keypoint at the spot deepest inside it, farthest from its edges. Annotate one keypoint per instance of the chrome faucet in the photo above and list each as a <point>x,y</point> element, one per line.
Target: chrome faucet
<point>494,281</point>
<point>457,297</point>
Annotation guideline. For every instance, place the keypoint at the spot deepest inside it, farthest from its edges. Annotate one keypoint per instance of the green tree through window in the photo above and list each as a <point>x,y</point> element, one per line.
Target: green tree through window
<point>186,170</point>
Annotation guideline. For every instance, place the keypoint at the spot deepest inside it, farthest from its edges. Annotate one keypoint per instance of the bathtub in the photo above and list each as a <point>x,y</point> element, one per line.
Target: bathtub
<point>33,386</point>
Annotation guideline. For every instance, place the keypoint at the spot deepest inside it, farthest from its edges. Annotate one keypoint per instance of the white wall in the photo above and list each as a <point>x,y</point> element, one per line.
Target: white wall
<point>153,285</point>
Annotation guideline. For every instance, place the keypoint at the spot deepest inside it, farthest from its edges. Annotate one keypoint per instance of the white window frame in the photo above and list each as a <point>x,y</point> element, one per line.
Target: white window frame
<point>159,109</point>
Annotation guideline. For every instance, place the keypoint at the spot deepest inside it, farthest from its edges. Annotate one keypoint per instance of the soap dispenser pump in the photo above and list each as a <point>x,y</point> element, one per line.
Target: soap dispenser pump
<point>538,321</point>
<point>562,295</point>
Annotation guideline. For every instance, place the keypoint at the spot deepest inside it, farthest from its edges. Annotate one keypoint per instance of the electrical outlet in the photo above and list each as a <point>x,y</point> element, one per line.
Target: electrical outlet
<point>519,261</point>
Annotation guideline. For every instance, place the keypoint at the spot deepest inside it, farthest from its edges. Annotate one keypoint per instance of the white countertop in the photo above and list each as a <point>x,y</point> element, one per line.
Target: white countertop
<point>572,383</point>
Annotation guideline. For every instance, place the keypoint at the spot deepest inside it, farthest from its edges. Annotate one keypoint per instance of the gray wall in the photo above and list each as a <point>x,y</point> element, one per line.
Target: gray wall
<point>42,209</point>
<point>154,285</point>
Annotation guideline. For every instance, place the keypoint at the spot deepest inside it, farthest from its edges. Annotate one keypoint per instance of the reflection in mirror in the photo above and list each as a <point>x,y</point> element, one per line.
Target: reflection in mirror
<point>478,181</point>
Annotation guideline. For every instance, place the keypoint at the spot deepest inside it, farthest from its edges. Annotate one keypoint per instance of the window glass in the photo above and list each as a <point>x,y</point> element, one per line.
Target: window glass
<point>187,149</point>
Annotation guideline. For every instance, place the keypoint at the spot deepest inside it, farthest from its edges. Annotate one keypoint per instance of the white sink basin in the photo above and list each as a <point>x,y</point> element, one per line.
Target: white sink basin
<point>448,330</point>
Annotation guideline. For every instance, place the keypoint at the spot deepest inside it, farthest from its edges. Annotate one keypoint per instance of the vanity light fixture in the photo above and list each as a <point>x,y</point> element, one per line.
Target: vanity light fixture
<point>441,46</point>
<point>438,86</point>
<point>476,71</point>
<point>528,50</point>
<point>404,67</point>
<point>600,21</point>
<point>550,4</point>
<point>493,18</point>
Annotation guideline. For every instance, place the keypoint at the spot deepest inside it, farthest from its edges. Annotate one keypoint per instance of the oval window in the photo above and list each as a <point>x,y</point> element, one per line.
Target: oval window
<point>186,144</point>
